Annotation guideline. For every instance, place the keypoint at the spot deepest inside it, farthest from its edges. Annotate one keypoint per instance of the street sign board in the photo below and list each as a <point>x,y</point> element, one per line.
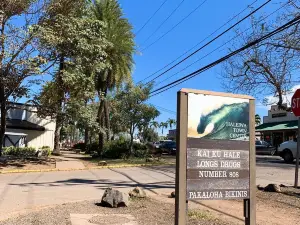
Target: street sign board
<point>296,111</point>
<point>296,103</point>
<point>215,150</point>
<point>217,147</point>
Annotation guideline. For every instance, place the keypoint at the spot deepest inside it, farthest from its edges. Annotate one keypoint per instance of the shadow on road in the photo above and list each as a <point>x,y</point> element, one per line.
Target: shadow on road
<point>102,183</point>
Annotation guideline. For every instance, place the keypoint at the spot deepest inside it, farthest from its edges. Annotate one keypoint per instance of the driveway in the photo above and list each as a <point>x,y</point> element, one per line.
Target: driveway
<point>27,191</point>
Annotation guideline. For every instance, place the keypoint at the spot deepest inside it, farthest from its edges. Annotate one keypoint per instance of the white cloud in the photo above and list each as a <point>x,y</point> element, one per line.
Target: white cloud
<point>273,100</point>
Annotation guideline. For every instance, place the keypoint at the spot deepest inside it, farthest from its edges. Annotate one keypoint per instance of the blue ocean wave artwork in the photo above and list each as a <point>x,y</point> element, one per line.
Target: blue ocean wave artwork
<point>228,122</point>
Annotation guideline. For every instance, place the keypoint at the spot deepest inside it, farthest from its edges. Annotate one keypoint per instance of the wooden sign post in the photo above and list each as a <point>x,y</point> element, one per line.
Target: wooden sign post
<point>215,150</point>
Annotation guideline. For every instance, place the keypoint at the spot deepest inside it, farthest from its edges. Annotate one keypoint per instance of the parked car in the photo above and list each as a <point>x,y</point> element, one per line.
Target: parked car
<point>288,150</point>
<point>264,148</point>
<point>156,144</point>
<point>169,147</point>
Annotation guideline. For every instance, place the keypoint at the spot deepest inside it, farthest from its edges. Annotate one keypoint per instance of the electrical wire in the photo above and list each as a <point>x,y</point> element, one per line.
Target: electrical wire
<point>208,43</point>
<point>151,17</point>
<point>293,22</point>
<point>220,46</point>
<point>148,46</point>
<point>171,14</point>
<point>164,109</point>
<point>231,19</point>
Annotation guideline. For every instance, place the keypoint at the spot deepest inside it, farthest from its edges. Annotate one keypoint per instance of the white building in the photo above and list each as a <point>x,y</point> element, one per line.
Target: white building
<point>25,128</point>
<point>278,126</point>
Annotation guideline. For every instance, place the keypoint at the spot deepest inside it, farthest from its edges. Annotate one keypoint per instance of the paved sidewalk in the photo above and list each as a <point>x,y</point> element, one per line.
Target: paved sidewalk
<point>69,160</point>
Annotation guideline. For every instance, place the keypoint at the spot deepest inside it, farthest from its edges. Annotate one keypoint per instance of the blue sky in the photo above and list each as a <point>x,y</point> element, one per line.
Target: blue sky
<point>210,16</point>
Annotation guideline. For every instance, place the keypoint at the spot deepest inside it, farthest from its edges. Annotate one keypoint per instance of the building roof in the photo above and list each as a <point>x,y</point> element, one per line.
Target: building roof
<point>286,125</point>
<point>15,134</point>
<point>23,124</point>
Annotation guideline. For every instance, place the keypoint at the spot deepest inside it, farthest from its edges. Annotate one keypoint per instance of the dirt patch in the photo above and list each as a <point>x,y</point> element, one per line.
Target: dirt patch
<point>145,211</point>
<point>32,163</point>
<point>93,162</point>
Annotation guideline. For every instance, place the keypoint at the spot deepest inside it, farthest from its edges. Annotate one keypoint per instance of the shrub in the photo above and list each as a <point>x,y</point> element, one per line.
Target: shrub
<point>116,149</point>
<point>139,146</point>
<point>92,148</point>
<point>19,151</point>
<point>140,150</point>
<point>46,151</point>
<point>79,146</point>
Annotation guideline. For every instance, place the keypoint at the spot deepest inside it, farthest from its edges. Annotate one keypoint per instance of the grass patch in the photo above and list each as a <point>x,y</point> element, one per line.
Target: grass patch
<point>200,215</point>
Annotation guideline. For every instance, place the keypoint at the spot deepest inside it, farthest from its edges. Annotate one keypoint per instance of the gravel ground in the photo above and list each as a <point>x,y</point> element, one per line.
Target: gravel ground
<point>289,197</point>
<point>146,212</point>
<point>16,163</point>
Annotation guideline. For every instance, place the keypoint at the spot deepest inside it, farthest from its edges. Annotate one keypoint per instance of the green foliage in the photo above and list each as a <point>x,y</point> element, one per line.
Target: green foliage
<point>118,32</point>
<point>91,148</point>
<point>116,149</point>
<point>26,151</point>
<point>79,146</point>
<point>149,135</point>
<point>163,125</point>
<point>140,150</point>
<point>257,120</point>
<point>19,151</point>
<point>46,151</point>
<point>171,122</point>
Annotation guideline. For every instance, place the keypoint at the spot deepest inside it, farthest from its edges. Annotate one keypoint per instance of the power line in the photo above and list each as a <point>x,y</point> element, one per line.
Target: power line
<point>151,17</point>
<point>221,45</point>
<point>164,21</point>
<point>148,46</point>
<point>199,42</point>
<point>293,22</point>
<point>208,43</point>
<point>164,109</point>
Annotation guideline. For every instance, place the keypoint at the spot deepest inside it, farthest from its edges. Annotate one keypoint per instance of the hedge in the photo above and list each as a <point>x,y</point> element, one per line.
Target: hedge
<point>25,151</point>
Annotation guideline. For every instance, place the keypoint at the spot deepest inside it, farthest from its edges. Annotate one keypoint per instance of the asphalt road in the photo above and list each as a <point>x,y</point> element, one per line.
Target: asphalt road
<point>27,191</point>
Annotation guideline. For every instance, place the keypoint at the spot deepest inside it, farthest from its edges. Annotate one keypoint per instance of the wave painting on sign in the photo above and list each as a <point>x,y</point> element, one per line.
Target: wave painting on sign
<point>218,117</point>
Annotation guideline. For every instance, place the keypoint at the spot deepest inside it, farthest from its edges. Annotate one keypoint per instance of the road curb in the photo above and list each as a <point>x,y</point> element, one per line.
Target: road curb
<point>89,168</point>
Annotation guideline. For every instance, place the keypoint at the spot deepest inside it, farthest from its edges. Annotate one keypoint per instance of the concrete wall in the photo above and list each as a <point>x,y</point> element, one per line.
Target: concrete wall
<point>35,138</point>
<point>282,115</point>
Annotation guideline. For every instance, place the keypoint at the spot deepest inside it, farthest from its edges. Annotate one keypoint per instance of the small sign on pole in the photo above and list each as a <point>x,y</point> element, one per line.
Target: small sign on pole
<point>296,111</point>
<point>215,150</point>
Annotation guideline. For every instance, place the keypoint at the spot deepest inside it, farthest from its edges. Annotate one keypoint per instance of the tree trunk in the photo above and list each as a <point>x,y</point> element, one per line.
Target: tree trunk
<point>280,100</point>
<point>56,150</point>
<point>101,125</point>
<point>59,116</point>
<point>131,141</point>
<point>3,118</point>
<point>86,138</point>
<point>107,122</point>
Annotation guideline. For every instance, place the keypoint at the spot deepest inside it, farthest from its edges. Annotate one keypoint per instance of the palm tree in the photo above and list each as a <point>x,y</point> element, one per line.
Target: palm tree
<point>163,125</point>
<point>154,124</point>
<point>171,122</point>
<point>119,33</point>
<point>257,120</point>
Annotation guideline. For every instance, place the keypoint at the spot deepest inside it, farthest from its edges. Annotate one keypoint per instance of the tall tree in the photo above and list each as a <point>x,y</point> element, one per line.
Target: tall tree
<point>72,35</point>
<point>257,120</point>
<point>171,122</point>
<point>269,67</point>
<point>163,125</point>
<point>118,32</point>
<point>154,124</point>
<point>130,102</point>
<point>19,58</point>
